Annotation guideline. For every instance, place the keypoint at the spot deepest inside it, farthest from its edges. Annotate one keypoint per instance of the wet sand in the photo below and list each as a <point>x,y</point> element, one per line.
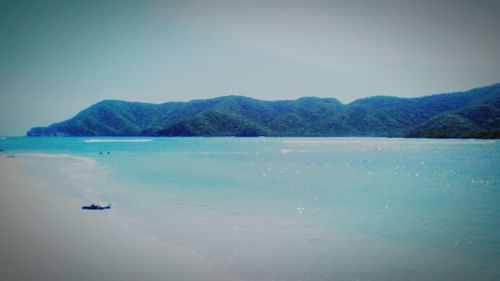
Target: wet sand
<point>46,236</point>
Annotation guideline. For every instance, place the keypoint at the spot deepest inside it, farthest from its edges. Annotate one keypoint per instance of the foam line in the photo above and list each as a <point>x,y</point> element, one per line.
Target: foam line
<point>116,140</point>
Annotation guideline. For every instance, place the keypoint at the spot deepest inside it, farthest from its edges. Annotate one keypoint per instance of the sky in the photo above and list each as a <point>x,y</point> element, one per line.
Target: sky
<point>59,57</point>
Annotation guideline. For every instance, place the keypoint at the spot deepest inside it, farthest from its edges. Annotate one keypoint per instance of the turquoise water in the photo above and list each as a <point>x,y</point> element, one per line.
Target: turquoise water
<point>303,208</point>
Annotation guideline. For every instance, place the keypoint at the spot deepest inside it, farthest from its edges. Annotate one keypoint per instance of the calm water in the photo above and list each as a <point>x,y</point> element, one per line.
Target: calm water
<point>302,208</point>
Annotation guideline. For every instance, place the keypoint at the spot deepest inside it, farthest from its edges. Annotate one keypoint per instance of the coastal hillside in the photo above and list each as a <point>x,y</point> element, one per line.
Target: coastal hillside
<point>470,114</point>
<point>480,119</point>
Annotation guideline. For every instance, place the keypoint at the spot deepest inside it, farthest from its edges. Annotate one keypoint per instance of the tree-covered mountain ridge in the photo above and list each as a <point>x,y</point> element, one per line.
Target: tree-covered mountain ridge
<point>470,114</point>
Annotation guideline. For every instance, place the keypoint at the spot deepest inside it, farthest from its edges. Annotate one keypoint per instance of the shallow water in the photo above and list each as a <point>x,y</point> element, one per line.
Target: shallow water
<point>301,208</point>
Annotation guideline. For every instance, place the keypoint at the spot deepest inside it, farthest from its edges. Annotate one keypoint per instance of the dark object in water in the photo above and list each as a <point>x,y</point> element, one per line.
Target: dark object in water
<point>11,156</point>
<point>96,207</point>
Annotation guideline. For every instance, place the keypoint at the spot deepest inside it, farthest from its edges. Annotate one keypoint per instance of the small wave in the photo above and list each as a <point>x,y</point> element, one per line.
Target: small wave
<point>117,140</point>
<point>3,138</point>
<point>59,156</point>
<point>371,141</point>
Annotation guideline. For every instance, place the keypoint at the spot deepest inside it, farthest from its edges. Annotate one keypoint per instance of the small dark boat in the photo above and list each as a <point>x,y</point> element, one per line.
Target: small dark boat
<point>96,207</point>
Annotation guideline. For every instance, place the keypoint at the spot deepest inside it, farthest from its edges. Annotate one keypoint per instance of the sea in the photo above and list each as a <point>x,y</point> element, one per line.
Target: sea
<point>297,208</point>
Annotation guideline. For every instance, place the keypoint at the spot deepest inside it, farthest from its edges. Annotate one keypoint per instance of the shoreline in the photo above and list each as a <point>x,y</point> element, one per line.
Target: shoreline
<point>44,235</point>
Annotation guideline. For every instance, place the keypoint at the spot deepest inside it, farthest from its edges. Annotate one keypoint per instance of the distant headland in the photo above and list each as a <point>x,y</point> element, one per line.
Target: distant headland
<point>470,114</point>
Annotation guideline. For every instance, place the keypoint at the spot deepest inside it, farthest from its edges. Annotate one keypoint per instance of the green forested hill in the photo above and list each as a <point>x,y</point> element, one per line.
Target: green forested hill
<point>474,113</point>
<point>479,119</point>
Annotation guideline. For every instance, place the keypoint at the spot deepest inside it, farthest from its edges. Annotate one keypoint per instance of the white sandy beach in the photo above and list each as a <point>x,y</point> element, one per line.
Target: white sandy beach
<point>46,236</point>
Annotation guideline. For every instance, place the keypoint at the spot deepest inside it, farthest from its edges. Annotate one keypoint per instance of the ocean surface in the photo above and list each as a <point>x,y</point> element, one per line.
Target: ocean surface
<point>297,208</point>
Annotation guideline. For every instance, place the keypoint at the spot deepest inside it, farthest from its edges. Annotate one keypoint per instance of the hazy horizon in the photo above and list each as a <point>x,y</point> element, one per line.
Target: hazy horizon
<point>59,57</point>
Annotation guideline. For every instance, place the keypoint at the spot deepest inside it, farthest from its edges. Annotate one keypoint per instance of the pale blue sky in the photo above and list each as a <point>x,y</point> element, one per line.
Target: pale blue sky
<point>58,57</point>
